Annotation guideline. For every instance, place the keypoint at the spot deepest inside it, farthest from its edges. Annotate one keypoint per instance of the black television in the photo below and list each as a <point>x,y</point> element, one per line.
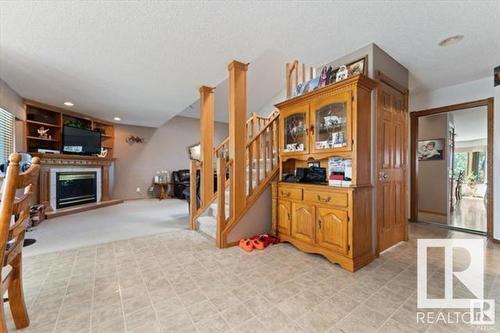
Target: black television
<point>81,141</point>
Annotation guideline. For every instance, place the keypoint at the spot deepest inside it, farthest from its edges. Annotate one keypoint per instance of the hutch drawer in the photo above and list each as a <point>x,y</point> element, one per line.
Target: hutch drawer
<point>340,199</point>
<point>286,192</point>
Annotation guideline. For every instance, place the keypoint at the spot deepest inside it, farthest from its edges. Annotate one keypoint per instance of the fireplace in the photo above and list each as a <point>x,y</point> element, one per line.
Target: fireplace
<point>75,188</point>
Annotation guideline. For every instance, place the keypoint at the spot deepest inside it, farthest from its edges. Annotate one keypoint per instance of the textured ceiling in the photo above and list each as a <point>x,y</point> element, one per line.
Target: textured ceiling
<point>144,60</point>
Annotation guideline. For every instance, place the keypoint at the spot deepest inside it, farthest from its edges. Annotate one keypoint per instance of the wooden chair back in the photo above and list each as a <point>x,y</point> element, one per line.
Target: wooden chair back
<point>14,215</point>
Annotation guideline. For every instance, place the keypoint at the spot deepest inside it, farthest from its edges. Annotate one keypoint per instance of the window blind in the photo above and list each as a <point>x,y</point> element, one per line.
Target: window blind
<point>7,122</point>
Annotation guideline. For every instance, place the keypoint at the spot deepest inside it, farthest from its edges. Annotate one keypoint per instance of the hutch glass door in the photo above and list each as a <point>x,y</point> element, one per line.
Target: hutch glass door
<point>332,130</point>
<point>295,133</point>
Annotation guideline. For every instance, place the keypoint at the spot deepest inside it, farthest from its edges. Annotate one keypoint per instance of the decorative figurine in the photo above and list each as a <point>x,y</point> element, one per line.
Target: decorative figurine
<point>43,133</point>
<point>103,153</point>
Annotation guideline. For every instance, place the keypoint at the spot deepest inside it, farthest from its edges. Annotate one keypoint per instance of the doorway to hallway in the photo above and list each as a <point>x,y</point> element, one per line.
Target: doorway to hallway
<point>451,169</point>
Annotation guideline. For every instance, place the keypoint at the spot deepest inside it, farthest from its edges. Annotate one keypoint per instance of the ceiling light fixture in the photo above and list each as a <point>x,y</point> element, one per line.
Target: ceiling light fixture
<point>117,118</point>
<point>68,104</point>
<point>451,40</point>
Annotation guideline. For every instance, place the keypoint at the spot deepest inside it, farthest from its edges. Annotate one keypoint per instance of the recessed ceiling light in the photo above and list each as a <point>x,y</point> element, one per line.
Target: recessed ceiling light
<point>117,118</point>
<point>451,40</point>
<point>68,104</point>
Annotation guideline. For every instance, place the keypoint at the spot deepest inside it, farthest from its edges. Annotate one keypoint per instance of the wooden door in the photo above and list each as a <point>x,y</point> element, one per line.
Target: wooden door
<point>303,222</point>
<point>332,229</point>
<point>284,216</point>
<point>392,124</point>
<point>294,130</point>
<point>331,124</point>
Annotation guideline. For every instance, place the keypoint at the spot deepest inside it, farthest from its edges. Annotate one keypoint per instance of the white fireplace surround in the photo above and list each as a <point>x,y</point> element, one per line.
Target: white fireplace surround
<point>53,182</point>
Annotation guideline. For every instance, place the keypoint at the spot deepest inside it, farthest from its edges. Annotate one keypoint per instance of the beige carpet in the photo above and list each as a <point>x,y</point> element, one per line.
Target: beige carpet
<point>124,221</point>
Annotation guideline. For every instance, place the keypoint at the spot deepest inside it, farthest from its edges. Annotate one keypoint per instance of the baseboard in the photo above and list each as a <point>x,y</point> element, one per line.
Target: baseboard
<point>82,208</point>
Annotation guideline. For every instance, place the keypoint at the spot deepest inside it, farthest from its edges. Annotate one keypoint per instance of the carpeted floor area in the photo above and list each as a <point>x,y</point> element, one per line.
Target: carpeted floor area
<point>130,219</point>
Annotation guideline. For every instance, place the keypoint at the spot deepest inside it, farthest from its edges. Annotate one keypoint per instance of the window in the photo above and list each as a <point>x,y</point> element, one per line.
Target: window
<point>6,135</point>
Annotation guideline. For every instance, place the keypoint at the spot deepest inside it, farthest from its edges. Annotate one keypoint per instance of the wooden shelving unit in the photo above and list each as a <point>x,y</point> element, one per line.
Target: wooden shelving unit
<point>40,115</point>
<point>334,221</point>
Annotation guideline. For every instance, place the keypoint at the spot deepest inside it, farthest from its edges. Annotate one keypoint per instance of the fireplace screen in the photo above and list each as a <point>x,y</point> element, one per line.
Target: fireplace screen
<point>75,188</point>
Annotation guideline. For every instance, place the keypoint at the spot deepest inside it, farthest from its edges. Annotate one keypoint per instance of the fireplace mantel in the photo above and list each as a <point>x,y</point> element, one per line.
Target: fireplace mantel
<point>61,161</point>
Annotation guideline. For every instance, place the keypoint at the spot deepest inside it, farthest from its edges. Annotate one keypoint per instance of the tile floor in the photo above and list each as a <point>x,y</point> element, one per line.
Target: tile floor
<point>178,281</point>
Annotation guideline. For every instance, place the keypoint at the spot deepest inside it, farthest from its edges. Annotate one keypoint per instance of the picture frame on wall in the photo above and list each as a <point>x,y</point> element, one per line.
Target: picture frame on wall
<point>430,150</point>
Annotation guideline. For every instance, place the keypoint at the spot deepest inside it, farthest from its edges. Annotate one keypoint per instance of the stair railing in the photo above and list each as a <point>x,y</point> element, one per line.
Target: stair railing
<point>224,181</point>
<point>262,149</point>
<point>194,209</point>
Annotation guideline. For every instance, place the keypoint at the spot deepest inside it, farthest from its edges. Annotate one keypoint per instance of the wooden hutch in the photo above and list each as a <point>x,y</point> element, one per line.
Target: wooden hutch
<point>334,221</point>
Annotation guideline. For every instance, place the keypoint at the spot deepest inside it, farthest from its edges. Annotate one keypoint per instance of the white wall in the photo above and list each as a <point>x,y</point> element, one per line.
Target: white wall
<point>466,92</point>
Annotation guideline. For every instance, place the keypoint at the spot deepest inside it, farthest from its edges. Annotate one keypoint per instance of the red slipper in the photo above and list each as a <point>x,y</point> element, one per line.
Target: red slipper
<point>246,244</point>
<point>266,239</point>
<point>258,244</point>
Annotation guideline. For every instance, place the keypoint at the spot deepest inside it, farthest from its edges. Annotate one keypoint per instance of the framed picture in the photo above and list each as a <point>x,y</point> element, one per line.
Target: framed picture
<point>194,152</point>
<point>497,76</point>
<point>358,67</point>
<point>430,150</point>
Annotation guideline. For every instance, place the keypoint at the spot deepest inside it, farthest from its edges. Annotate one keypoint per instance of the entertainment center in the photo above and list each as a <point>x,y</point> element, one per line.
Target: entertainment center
<point>45,128</point>
<point>76,153</point>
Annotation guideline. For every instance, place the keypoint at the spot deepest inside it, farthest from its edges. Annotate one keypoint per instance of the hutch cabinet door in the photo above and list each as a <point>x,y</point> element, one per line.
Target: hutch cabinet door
<point>284,216</point>
<point>294,126</point>
<point>332,229</point>
<point>331,118</point>
<point>303,222</point>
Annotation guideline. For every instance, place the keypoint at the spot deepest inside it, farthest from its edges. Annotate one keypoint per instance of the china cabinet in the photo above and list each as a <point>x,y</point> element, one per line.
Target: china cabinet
<point>334,221</point>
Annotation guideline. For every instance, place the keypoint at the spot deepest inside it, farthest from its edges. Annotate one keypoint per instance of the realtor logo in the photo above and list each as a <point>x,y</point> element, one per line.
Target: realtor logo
<point>481,311</point>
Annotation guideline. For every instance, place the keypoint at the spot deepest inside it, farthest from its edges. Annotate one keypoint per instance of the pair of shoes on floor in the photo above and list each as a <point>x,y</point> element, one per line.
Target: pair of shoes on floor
<point>259,242</point>
<point>249,244</point>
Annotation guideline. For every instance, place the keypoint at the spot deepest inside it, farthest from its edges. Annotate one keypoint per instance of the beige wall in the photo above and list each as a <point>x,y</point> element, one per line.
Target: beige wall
<point>13,103</point>
<point>432,176</point>
<point>164,149</point>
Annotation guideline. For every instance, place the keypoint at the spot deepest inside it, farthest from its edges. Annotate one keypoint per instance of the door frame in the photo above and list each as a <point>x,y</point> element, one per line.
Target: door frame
<point>382,78</point>
<point>488,102</point>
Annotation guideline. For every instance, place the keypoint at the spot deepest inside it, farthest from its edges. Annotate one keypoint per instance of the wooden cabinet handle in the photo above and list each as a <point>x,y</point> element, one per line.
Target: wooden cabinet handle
<point>319,223</point>
<point>324,199</point>
<point>312,129</point>
<point>285,194</point>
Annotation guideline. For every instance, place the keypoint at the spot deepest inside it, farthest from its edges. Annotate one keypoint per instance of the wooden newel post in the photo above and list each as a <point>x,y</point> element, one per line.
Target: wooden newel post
<point>207,105</point>
<point>237,133</point>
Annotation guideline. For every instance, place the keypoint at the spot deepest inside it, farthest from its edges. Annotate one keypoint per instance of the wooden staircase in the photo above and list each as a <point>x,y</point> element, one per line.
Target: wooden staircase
<point>245,163</point>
